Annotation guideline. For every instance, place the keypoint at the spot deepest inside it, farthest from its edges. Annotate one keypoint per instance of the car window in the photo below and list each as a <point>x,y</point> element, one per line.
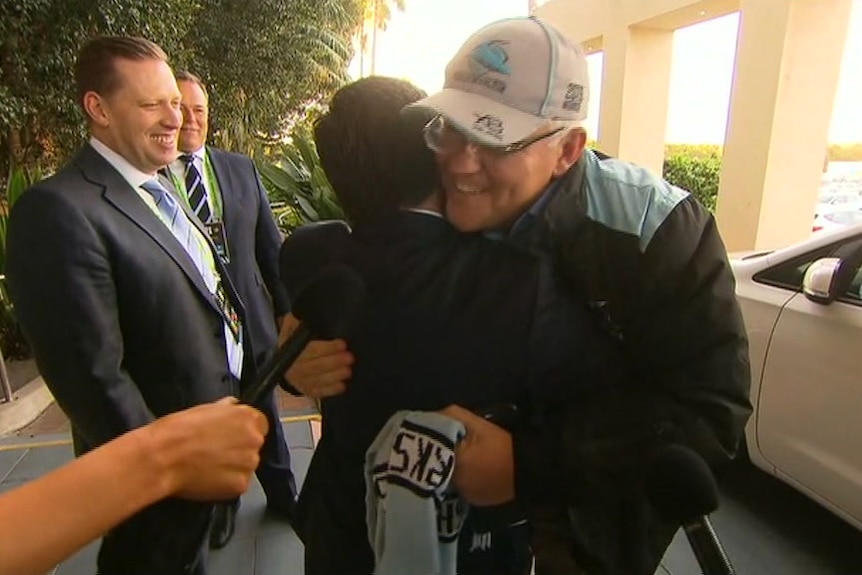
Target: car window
<point>789,274</point>
<point>854,291</point>
<point>845,218</point>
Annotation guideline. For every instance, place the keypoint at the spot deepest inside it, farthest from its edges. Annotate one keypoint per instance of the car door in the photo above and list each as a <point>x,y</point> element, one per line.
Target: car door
<point>810,409</point>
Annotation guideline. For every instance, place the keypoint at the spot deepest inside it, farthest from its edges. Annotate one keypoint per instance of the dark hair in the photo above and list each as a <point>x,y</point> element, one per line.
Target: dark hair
<point>186,76</point>
<point>375,158</point>
<point>95,70</point>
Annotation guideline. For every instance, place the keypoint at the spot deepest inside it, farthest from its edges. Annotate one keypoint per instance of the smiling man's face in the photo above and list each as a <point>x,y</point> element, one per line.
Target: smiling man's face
<point>488,190</point>
<point>140,118</point>
<point>195,107</point>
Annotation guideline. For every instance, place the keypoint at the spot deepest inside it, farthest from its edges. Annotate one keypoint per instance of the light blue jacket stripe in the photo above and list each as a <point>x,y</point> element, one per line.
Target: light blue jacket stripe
<point>627,198</point>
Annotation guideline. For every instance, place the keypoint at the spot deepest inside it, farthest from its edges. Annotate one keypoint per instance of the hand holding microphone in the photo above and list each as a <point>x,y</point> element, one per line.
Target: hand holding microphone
<point>682,489</point>
<point>326,307</point>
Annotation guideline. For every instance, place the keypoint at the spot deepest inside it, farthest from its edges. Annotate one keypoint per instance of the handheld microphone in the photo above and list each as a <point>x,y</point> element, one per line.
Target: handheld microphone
<point>326,307</point>
<point>310,248</point>
<point>682,490</point>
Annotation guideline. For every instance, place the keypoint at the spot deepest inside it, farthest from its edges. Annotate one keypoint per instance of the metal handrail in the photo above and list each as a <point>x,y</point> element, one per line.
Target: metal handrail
<point>4,377</point>
<point>4,381</point>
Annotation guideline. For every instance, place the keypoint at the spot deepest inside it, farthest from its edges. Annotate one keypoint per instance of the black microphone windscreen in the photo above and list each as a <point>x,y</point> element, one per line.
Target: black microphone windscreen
<point>309,249</point>
<point>680,485</point>
<point>330,302</point>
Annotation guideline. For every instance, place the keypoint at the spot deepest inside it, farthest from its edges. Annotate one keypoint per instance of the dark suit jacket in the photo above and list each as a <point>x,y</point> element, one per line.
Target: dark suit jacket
<point>122,327</point>
<point>253,241</point>
<point>449,318</point>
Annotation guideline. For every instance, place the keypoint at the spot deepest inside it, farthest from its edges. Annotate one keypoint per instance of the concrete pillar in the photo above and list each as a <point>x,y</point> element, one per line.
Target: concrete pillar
<point>635,91</point>
<point>787,66</point>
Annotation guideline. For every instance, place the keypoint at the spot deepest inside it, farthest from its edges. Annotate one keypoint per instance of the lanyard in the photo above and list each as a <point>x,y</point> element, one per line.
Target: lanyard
<point>214,194</point>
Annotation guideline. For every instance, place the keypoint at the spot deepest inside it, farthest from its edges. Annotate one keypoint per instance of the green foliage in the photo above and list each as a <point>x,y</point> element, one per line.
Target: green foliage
<point>12,341</point>
<point>298,188</point>
<point>40,123</point>
<point>375,16</point>
<point>266,63</point>
<point>16,184</point>
<point>707,151</point>
<point>379,12</point>
<point>696,169</point>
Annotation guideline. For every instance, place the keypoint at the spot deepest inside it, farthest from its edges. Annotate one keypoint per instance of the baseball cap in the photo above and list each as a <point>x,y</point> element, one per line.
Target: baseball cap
<point>509,79</point>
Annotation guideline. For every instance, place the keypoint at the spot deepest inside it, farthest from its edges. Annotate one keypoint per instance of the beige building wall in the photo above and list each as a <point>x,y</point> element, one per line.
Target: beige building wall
<point>787,65</point>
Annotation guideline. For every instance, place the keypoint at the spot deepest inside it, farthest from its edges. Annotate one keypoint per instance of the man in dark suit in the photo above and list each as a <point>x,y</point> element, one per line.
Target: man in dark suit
<point>128,308</point>
<point>450,318</point>
<point>225,192</point>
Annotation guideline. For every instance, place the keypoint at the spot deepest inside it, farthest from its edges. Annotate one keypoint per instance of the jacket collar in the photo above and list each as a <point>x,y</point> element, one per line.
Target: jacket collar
<point>120,194</point>
<point>413,227</point>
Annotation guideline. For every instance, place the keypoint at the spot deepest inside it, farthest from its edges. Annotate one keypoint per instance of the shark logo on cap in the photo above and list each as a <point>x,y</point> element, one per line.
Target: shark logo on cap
<point>484,59</point>
<point>490,57</point>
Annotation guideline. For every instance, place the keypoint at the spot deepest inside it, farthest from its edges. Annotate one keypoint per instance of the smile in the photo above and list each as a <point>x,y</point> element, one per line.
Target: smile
<point>468,191</point>
<point>165,140</point>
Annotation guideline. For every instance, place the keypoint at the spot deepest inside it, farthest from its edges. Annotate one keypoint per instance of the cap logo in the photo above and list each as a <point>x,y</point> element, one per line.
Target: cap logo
<point>489,125</point>
<point>486,58</point>
<point>574,97</point>
<point>490,57</point>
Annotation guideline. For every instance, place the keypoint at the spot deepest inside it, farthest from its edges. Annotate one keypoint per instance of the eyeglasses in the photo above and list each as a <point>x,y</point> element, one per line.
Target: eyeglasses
<point>442,138</point>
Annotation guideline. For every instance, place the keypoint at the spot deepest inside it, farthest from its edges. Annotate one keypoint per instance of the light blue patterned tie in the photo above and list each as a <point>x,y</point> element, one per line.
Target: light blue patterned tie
<point>183,230</point>
<point>180,226</point>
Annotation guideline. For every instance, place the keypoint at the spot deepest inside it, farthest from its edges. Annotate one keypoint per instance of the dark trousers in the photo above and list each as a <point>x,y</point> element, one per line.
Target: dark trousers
<point>334,536</point>
<point>493,542</point>
<point>168,538</point>
<point>274,472</point>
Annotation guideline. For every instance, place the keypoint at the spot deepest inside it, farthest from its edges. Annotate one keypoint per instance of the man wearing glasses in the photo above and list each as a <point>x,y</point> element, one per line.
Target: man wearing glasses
<point>450,318</point>
<point>644,254</point>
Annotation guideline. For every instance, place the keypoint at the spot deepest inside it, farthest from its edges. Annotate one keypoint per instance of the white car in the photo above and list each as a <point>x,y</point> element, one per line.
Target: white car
<point>830,221</point>
<point>838,201</point>
<point>803,313</point>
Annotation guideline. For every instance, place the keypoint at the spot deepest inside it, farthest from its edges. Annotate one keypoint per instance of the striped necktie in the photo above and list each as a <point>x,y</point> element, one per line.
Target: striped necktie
<point>195,189</point>
<point>196,247</point>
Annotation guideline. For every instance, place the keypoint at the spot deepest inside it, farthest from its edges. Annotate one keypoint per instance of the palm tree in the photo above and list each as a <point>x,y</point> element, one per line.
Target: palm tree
<point>377,14</point>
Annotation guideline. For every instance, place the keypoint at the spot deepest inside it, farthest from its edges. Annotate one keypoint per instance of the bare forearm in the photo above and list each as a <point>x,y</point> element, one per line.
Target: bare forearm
<point>59,513</point>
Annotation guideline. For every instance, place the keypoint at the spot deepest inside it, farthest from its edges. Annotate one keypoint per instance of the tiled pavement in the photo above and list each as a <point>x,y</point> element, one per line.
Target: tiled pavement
<point>262,545</point>
<point>53,421</point>
<point>766,527</point>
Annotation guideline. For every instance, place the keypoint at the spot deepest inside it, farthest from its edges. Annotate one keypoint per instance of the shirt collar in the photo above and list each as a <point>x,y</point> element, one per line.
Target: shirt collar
<point>424,211</point>
<point>536,210</point>
<point>178,166</point>
<point>198,154</point>
<point>130,173</point>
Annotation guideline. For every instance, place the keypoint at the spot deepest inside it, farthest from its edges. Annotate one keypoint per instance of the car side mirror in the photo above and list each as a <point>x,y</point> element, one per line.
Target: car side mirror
<point>818,284</point>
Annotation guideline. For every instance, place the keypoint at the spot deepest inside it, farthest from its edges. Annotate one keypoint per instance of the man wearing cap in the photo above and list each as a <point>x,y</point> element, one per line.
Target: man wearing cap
<point>437,331</point>
<point>645,254</point>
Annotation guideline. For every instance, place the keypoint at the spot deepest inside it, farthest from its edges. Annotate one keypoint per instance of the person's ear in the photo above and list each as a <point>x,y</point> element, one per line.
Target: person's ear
<point>94,107</point>
<point>572,146</point>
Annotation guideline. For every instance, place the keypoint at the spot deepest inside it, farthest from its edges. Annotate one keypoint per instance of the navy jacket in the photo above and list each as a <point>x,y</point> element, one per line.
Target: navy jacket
<point>253,241</point>
<point>123,330</point>
<point>450,318</point>
<point>649,257</point>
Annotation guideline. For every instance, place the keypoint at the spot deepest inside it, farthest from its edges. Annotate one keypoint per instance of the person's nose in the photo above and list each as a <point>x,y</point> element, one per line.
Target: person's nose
<point>462,160</point>
<point>187,117</point>
<point>173,117</point>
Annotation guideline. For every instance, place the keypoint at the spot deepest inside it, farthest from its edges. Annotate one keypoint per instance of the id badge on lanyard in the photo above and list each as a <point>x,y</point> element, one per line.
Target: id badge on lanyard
<point>217,234</point>
<point>215,227</point>
<point>228,311</point>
